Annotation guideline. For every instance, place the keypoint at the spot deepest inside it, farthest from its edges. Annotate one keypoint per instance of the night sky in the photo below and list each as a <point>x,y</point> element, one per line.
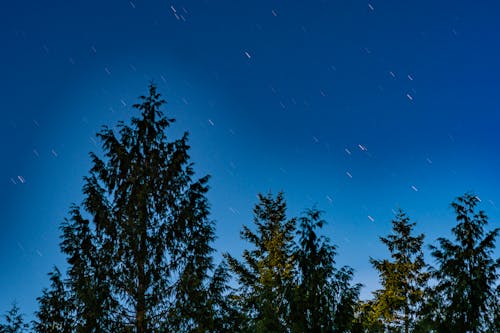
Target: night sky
<point>356,107</point>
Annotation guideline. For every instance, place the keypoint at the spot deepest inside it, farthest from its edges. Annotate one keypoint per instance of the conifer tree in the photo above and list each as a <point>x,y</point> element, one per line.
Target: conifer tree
<point>466,271</point>
<point>266,273</point>
<point>196,294</point>
<point>55,313</point>
<point>365,318</point>
<point>325,297</point>
<point>139,247</point>
<point>150,229</point>
<point>13,321</point>
<point>89,273</point>
<point>397,306</point>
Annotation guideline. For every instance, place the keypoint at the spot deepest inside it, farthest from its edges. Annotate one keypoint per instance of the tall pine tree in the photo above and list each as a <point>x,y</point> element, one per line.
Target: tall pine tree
<point>55,313</point>
<point>324,296</point>
<point>151,220</point>
<point>89,272</point>
<point>13,321</point>
<point>397,306</point>
<point>266,273</point>
<point>139,248</point>
<point>466,271</point>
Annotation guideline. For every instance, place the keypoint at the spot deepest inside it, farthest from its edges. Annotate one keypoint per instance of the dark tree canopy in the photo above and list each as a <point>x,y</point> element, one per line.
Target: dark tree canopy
<point>288,281</point>
<point>55,314</point>
<point>466,271</point>
<point>397,306</point>
<point>13,321</point>
<point>324,297</point>
<point>139,247</point>
<point>266,273</point>
<point>140,258</point>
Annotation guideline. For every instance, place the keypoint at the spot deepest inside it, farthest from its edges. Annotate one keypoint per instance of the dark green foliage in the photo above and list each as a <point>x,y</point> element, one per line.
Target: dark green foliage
<point>366,320</point>
<point>494,312</point>
<point>13,321</point>
<point>398,305</point>
<point>140,258</point>
<point>151,222</point>
<point>288,286</point>
<point>55,313</point>
<point>266,274</point>
<point>89,280</point>
<point>466,273</point>
<point>225,318</point>
<point>138,250</point>
<point>324,297</point>
<point>129,193</point>
<point>195,303</point>
<point>346,298</point>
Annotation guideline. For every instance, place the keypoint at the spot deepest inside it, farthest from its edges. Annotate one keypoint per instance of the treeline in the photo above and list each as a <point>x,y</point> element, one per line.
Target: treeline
<point>140,258</point>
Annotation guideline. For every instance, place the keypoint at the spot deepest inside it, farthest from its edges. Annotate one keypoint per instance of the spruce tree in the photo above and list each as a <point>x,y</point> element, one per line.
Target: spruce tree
<point>139,247</point>
<point>397,306</point>
<point>150,224</point>
<point>466,271</point>
<point>55,313</point>
<point>89,273</point>
<point>324,296</point>
<point>13,321</point>
<point>265,275</point>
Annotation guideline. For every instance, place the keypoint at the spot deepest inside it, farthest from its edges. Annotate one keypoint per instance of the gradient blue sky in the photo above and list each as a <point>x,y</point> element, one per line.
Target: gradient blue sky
<point>273,93</point>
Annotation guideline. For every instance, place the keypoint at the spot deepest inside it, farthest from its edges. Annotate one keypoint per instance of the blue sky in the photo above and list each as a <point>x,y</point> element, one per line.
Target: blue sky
<point>356,107</point>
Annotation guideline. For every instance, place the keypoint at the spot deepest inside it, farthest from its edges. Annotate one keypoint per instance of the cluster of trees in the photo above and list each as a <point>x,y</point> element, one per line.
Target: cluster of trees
<point>140,259</point>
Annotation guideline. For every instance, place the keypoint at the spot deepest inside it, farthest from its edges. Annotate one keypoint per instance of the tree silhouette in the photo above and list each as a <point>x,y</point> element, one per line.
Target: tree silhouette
<point>324,297</point>
<point>90,268</point>
<point>466,273</point>
<point>139,248</point>
<point>265,275</point>
<point>13,321</point>
<point>398,305</point>
<point>140,258</point>
<point>154,222</point>
<point>55,313</point>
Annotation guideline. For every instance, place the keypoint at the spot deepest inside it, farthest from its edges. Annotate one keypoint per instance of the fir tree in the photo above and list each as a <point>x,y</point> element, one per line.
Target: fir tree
<point>13,321</point>
<point>196,294</point>
<point>55,313</point>
<point>325,297</point>
<point>266,273</point>
<point>224,316</point>
<point>151,230</point>
<point>139,248</point>
<point>466,271</point>
<point>398,304</point>
<point>89,273</point>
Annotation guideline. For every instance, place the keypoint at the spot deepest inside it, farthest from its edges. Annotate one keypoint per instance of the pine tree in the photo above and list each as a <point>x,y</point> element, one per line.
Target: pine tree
<point>266,273</point>
<point>224,317</point>
<point>13,321</point>
<point>55,313</point>
<point>366,319</point>
<point>196,294</point>
<point>139,247</point>
<point>146,250</point>
<point>325,297</point>
<point>466,273</point>
<point>346,295</point>
<point>89,273</point>
<point>398,304</point>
